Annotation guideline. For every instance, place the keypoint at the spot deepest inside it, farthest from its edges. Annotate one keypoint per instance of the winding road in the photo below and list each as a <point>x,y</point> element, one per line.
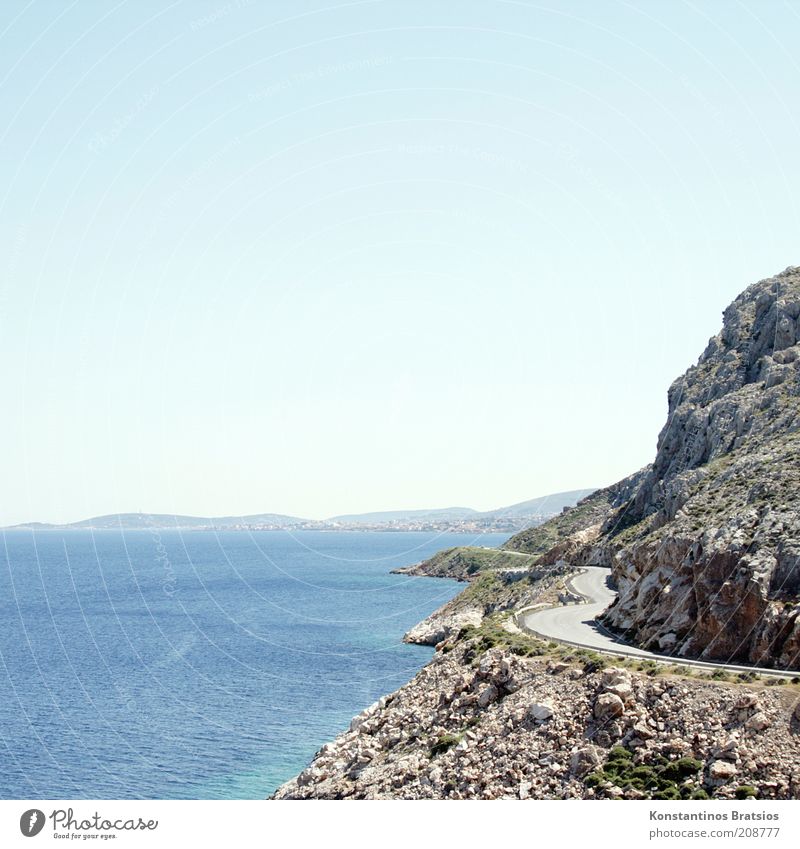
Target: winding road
<point>577,625</point>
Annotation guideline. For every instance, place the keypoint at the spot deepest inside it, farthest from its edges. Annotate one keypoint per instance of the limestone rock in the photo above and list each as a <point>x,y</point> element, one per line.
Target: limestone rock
<point>540,712</point>
<point>716,520</point>
<point>585,760</point>
<point>441,625</point>
<point>746,701</point>
<point>758,722</point>
<point>607,706</point>
<point>721,771</point>
<point>487,695</point>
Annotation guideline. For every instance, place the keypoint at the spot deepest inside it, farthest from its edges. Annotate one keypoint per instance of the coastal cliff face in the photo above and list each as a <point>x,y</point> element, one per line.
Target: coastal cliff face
<point>706,554</point>
<point>704,546</point>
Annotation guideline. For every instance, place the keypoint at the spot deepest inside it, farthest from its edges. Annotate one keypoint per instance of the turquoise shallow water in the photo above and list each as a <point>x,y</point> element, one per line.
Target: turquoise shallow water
<point>172,664</point>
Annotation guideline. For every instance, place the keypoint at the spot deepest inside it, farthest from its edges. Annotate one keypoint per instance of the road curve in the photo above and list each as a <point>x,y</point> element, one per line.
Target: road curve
<point>577,625</point>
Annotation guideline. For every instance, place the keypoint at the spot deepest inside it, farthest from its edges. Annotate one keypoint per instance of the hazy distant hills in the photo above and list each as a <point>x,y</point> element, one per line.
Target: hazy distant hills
<point>444,513</point>
<point>546,504</point>
<point>143,521</point>
<point>514,517</point>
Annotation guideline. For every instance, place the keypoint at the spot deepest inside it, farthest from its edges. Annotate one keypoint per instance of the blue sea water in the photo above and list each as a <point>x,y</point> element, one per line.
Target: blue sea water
<point>197,665</point>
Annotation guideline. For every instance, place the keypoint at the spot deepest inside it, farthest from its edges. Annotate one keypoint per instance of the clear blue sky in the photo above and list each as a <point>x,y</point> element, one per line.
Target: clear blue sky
<point>314,258</point>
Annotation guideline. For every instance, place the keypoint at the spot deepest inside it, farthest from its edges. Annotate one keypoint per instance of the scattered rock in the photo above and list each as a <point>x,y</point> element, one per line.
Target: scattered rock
<point>607,706</point>
<point>618,682</point>
<point>721,771</point>
<point>746,701</point>
<point>487,695</point>
<point>758,722</point>
<point>540,712</point>
<point>584,760</point>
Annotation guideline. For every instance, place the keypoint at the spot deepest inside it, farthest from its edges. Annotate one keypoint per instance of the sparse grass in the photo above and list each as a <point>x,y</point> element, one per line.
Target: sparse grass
<point>542,538</point>
<point>445,742</point>
<point>594,662</point>
<point>468,561</point>
<point>491,634</point>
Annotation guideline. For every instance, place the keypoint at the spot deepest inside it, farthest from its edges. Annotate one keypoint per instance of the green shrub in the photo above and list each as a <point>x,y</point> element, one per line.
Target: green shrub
<point>745,791</point>
<point>670,792</point>
<point>681,769</point>
<point>594,663</point>
<point>661,778</point>
<point>594,779</point>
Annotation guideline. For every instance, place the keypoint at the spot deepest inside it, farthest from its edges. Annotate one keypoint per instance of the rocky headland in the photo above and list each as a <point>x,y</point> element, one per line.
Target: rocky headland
<point>704,547</point>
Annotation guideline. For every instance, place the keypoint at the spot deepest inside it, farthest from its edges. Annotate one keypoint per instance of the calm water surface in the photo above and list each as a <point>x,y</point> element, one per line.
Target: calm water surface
<point>167,664</point>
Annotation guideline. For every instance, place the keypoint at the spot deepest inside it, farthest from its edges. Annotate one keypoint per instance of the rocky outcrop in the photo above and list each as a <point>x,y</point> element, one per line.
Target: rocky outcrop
<point>706,554</point>
<point>493,725</point>
<point>704,544</point>
<point>742,394</point>
<point>465,562</point>
<point>443,624</point>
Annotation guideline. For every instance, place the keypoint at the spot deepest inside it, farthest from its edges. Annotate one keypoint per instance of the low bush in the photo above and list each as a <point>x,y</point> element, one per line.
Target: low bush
<point>659,779</point>
<point>745,791</point>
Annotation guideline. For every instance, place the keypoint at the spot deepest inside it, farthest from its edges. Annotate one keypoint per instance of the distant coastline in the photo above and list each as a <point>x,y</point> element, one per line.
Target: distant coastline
<point>513,518</point>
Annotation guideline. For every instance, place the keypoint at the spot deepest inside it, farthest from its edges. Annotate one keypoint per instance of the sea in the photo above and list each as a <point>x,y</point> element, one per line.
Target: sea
<point>166,664</point>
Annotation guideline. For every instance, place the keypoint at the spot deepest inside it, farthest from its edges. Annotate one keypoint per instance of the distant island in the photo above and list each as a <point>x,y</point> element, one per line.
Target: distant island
<point>514,518</point>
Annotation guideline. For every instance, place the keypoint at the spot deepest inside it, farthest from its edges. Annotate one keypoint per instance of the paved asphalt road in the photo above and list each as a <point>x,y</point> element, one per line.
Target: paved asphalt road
<point>576,624</point>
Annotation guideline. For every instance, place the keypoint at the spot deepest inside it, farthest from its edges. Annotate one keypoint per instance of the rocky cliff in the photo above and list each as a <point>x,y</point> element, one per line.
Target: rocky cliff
<point>707,552</point>
<point>705,542</point>
<point>704,545</point>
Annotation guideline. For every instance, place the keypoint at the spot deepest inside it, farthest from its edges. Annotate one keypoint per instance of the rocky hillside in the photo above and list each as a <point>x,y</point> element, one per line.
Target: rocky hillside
<point>498,723</point>
<point>571,536</point>
<point>465,562</point>
<point>707,552</point>
<point>705,542</point>
<point>704,545</point>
